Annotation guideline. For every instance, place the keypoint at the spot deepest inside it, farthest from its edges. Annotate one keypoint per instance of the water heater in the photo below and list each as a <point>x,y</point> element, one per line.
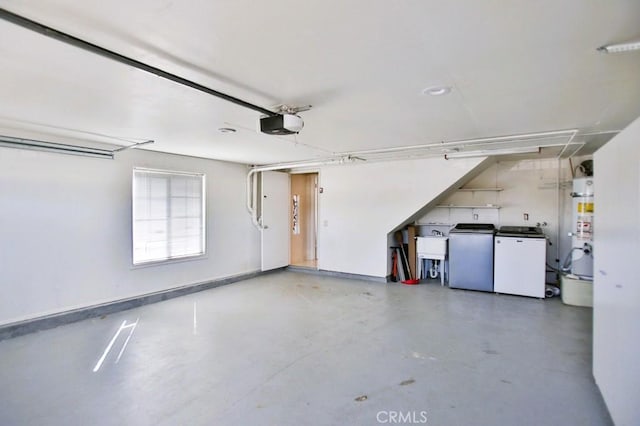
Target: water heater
<point>582,235</point>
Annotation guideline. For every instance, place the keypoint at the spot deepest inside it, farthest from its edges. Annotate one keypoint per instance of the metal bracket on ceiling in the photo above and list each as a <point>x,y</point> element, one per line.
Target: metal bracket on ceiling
<point>135,145</point>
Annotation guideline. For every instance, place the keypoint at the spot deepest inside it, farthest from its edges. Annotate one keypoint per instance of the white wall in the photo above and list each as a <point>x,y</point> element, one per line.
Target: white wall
<point>616,316</point>
<point>362,203</point>
<point>65,230</point>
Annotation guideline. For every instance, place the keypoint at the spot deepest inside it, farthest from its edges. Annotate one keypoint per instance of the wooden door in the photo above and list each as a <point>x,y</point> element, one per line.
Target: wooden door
<point>303,218</point>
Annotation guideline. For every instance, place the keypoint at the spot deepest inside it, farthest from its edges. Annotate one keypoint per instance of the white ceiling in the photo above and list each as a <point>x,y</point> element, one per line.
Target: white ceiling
<point>515,67</point>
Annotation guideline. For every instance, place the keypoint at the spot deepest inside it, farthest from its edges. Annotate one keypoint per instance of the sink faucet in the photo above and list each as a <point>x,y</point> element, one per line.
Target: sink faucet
<point>437,233</point>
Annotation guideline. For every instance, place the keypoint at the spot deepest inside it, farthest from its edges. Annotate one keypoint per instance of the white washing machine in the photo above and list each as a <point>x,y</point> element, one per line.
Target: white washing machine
<point>520,261</point>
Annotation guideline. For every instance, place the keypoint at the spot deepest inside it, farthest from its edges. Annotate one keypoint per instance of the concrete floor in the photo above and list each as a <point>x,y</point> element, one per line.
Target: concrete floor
<point>296,349</point>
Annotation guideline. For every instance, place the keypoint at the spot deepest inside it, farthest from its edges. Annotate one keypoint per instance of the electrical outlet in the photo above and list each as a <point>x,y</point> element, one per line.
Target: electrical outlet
<point>526,216</point>
<point>475,216</point>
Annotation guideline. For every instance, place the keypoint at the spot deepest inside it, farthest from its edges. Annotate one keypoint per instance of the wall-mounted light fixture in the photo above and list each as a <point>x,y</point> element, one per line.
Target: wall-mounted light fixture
<point>620,47</point>
<point>60,148</point>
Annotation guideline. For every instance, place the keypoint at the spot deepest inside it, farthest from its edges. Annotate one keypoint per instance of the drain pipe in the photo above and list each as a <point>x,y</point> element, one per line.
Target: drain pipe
<point>252,197</point>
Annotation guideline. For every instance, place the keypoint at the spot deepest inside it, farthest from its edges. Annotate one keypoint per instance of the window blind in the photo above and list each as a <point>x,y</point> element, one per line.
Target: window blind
<point>168,215</point>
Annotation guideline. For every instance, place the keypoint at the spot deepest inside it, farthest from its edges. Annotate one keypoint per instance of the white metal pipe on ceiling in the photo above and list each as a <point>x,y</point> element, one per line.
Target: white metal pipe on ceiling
<point>507,138</point>
<point>414,151</point>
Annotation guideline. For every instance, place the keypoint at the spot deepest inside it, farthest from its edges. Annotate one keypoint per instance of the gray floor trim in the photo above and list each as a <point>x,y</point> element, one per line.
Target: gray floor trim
<point>336,274</point>
<point>20,328</point>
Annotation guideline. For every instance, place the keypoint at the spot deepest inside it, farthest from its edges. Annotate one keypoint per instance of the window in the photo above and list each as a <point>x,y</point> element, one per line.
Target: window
<point>168,215</point>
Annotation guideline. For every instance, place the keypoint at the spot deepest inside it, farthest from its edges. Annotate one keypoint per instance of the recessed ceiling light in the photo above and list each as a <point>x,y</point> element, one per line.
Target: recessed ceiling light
<point>437,90</point>
<point>227,130</point>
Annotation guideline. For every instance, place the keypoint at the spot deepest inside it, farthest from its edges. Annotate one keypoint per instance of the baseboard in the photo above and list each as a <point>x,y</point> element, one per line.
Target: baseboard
<point>336,274</point>
<point>46,322</point>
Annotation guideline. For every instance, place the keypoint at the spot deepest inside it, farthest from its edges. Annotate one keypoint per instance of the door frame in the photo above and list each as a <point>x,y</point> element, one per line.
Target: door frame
<point>317,193</point>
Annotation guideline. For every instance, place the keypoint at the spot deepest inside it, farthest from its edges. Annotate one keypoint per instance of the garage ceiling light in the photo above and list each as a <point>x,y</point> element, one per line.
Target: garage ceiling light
<point>620,48</point>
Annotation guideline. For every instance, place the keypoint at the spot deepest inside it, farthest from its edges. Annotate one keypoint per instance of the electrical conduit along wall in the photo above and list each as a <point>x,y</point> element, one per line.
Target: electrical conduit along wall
<point>65,227</point>
<point>362,203</point>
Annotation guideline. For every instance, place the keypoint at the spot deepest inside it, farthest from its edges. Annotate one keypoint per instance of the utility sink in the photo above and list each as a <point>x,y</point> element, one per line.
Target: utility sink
<point>431,247</point>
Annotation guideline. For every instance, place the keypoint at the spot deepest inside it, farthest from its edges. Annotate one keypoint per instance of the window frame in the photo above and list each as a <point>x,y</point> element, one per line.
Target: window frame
<point>203,198</point>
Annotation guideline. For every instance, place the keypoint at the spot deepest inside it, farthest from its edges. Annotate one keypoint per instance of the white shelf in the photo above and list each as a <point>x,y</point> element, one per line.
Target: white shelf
<point>468,207</point>
<point>480,189</point>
